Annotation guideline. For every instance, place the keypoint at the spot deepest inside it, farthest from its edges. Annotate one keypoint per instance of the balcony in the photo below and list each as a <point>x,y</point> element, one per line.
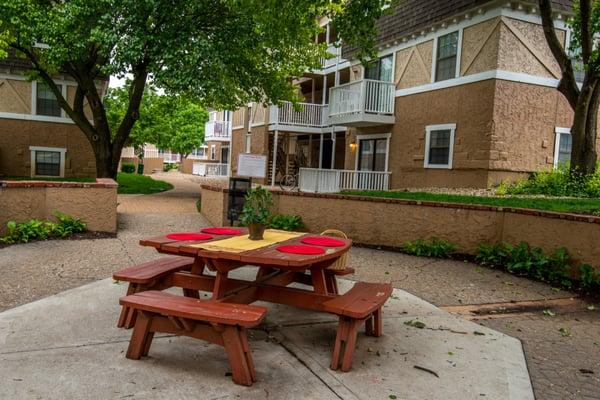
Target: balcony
<point>217,131</point>
<point>309,118</point>
<point>362,103</point>
<point>334,181</point>
<point>210,169</point>
<point>330,62</point>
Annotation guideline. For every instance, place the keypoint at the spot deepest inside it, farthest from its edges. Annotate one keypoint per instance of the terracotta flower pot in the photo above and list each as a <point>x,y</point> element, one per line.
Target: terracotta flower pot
<point>256,231</point>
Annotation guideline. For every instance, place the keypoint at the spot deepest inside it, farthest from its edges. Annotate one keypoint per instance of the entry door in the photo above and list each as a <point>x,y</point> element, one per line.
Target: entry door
<point>224,155</point>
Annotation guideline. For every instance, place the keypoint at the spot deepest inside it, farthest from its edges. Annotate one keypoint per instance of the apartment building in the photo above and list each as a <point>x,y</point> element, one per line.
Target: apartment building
<point>37,139</point>
<point>463,94</point>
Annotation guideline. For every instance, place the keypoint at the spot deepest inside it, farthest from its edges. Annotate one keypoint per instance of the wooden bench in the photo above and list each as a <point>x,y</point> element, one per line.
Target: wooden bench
<point>147,276</point>
<point>216,322</point>
<point>361,303</point>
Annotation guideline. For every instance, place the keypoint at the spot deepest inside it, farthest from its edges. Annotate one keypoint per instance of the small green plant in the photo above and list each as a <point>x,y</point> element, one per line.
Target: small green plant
<point>502,189</point>
<point>128,168</point>
<point>67,225</point>
<point>199,205</point>
<point>433,247</point>
<point>286,222</point>
<point>169,166</point>
<point>589,278</point>
<point>560,182</point>
<point>36,229</point>
<point>257,207</point>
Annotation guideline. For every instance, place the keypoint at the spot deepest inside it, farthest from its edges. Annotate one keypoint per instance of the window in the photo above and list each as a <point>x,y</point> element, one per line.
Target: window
<point>446,55</point>
<point>439,146</point>
<point>47,161</point>
<point>45,101</point>
<point>248,142</point>
<point>200,152</point>
<point>213,152</point>
<point>372,154</point>
<point>562,146</point>
<point>381,70</point>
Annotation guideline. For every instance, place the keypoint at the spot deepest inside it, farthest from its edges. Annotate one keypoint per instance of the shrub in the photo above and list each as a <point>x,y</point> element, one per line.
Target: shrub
<point>36,229</point>
<point>559,182</point>
<point>286,222</point>
<point>433,247</point>
<point>588,277</point>
<point>128,168</point>
<point>169,166</point>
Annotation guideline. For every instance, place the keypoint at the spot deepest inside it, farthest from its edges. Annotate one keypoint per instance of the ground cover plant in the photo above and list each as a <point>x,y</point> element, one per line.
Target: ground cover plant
<point>140,184</point>
<point>558,182</point>
<point>35,229</point>
<point>286,222</point>
<point>568,205</point>
<point>434,247</point>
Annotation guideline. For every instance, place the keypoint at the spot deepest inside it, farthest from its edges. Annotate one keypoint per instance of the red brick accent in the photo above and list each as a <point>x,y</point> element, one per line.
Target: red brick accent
<point>477,207</point>
<point>100,183</point>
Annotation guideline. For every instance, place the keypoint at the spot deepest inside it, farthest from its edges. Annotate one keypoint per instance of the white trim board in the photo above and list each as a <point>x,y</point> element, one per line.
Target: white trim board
<point>41,118</point>
<point>482,76</point>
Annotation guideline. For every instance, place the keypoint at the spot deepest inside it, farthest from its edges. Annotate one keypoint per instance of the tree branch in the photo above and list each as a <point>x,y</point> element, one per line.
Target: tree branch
<point>133,109</point>
<point>567,85</point>
<point>585,9</point>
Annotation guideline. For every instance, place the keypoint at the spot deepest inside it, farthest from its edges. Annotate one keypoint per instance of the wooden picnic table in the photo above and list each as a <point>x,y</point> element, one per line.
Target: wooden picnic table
<point>276,271</point>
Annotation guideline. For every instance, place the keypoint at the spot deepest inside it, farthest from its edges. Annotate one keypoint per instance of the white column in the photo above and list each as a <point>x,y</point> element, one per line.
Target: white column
<point>333,138</point>
<point>274,168</point>
<point>325,90</point>
<point>321,153</point>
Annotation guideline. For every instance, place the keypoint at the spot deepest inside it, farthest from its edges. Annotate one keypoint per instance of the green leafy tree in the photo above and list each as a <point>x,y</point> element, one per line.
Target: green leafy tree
<point>226,52</point>
<point>584,101</point>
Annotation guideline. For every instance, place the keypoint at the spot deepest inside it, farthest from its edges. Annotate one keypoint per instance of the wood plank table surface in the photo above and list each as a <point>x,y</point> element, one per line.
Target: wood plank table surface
<point>276,271</point>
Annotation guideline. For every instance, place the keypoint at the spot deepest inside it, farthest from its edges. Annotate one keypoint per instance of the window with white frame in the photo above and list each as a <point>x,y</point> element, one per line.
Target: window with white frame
<point>562,146</point>
<point>248,142</point>
<point>47,161</point>
<point>439,146</point>
<point>46,102</point>
<point>199,152</point>
<point>213,152</point>
<point>446,56</point>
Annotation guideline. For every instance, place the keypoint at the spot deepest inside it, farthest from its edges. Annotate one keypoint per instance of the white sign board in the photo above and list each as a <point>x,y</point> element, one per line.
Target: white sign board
<point>252,165</point>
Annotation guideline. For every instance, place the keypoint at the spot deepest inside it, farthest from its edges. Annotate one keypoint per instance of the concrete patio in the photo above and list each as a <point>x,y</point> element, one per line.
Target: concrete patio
<point>67,347</point>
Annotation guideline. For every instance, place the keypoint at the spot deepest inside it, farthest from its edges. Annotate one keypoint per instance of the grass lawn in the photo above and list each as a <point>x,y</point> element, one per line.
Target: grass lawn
<point>140,184</point>
<point>49,179</point>
<point>570,205</point>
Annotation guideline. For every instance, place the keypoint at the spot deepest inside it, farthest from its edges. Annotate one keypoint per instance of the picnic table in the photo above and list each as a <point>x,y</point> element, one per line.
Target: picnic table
<point>229,311</point>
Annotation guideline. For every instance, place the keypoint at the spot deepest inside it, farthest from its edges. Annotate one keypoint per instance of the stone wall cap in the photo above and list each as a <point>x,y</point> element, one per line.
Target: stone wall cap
<point>100,183</point>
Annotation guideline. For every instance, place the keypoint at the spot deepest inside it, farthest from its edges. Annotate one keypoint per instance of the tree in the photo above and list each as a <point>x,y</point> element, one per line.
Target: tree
<point>168,121</point>
<point>226,52</point>
<point>584,101</point>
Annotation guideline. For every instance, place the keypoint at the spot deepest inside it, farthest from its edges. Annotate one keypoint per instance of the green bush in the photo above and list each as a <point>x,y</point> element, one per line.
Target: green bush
<point>286,222</point>
<point>532,262</point>
<point>169,166</point>
<point>433,247</point>
<point>559,182</point>
<point>128,168</point>
<point>36,229</point>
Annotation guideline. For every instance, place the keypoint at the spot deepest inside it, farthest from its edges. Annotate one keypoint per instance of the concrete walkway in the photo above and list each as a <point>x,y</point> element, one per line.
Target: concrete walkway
<point>67,347</point>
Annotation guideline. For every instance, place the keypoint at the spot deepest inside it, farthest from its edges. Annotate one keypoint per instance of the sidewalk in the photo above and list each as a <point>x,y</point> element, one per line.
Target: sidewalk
<point>67,347</point>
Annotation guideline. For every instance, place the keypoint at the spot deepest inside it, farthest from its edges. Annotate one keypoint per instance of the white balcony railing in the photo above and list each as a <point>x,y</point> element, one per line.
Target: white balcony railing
<point>336,52</point>
<point>334,180</point>
<point>309,115</point>
<point>210,169</point>
<point>167,156</point>
<point>365,96</point>
<point>217,130</point>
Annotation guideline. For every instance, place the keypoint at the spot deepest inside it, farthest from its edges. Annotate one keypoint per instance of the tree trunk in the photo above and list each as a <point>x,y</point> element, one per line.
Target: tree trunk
<point>584,132</point>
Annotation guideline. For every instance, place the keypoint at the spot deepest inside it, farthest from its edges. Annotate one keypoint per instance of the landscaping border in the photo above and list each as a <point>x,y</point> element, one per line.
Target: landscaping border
<point>93,202</point>
<point>391,222</point>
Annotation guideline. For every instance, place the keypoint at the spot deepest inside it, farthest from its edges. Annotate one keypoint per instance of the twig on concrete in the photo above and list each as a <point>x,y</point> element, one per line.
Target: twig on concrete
<point>427,370</point>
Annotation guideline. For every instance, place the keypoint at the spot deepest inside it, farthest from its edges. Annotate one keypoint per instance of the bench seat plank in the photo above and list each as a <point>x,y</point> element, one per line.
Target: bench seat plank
<point>155,269</point>
<point>243,315</point>
<point>359,302</point>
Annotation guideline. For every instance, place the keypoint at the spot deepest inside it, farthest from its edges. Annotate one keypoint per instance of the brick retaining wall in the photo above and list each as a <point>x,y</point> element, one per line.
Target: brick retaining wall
<point>391,222</point>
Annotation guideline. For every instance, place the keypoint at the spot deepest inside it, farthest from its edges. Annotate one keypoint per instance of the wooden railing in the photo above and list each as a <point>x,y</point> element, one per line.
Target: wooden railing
<point>308,115</point>
<point>366,95</point>
<point>333,180</point>
<point>210,169</point>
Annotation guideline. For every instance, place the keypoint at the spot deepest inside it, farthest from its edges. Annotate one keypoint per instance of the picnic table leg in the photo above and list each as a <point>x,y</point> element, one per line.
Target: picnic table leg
<point>318,280</point>
<point>350,344</point>
<point>240,370</point>
<point>125,311</point>
<point>219,288</point>
<point>137,344</point>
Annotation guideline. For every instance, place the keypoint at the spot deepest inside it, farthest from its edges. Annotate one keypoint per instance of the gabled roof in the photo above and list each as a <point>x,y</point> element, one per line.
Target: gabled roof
<point>411,16</point>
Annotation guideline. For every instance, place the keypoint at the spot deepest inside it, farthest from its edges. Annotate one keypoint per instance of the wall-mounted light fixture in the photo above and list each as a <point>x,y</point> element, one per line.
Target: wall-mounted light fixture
<point>353,145</point>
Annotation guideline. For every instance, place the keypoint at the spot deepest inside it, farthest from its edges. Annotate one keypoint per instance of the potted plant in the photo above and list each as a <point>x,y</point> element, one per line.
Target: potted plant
<point>256,212</point>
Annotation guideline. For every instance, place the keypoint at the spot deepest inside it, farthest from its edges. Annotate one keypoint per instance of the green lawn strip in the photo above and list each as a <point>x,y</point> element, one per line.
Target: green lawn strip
<point>140,184</point>
<point>48,179</point>
<point>569,205</point>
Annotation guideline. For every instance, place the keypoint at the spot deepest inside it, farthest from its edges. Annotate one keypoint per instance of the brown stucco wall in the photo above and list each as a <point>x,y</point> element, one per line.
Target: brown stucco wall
<point>16,136</point>
<point>95,203</point>
<point>391,222</point>
<point>186,166</point>
<point>152,164</point>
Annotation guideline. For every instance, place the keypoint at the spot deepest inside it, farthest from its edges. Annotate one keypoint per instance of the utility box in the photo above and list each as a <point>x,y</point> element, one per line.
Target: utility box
<point>238,188</point>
